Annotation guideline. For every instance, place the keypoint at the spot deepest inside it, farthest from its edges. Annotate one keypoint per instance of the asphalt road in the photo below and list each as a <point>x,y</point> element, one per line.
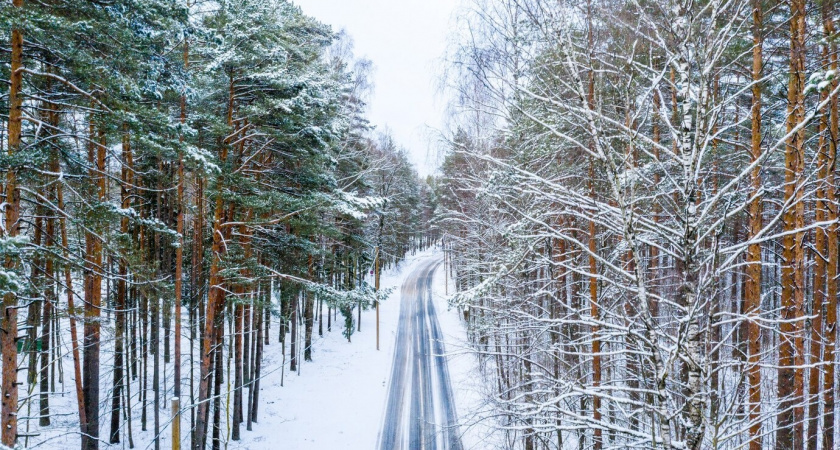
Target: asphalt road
<point>420,412</point>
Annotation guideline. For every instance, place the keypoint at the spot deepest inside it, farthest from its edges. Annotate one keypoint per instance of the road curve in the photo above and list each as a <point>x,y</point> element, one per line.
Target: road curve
<point>420,411</point>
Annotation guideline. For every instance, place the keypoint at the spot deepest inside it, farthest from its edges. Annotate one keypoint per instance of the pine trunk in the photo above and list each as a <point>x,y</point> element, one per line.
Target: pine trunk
<point>93,296</point>
<point>237,383</point>
<point>255,403</point>
<point>293,360</point>
<point>217,379</point>
<point>832,231</point>
<point>791,346</point>
<point>215,295</point>
<point>122,292</point>
<point>8,315</point>
<point>46,331</point>
<point>308,316</point>
<point>752,291</point>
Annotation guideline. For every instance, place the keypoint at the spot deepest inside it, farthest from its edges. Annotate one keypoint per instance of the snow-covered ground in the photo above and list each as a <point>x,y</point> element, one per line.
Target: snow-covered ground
<point>337,401</point>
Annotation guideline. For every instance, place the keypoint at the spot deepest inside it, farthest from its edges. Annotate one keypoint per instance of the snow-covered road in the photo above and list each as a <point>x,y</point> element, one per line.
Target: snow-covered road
<point>420,413</point>
<point>339,401</point>
<point>343,399</point>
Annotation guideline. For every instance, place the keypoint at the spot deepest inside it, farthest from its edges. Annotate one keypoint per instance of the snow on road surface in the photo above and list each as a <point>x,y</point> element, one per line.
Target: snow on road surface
<point>421,412</point>
<point>477,418</point>
<point>337,400</point>
<point>340,399</point>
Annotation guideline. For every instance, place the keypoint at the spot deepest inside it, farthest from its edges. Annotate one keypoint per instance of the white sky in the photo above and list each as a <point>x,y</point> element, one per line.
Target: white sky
<point>406,40</point>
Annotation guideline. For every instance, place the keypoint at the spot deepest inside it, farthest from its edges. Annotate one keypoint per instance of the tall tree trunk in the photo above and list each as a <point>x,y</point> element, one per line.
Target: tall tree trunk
<point>653,265</point>
<point>8,315</point>
<point>250,320</point>
<point>595,316</point>
<point>144,342</point>
<point>179,265</point>
<point>211,383</point>
<point>50,294</point>
<point>122,290</point>
<point>791,349</point>
<point>293,360</point>
<point>215,295</point>
<point>127,405</point>
<point>197,307</point>
<point>267,319</point>
<point>237,372</point>
<point>255,403</point>
<point>830,306</point>
<point>593,269</point>
<point>246,351</point>
<point>71,312</point>
<point>93,294</point>
<point>154,344</point>
<point>817,313</point>
<point>46,331</point>
<point>217,391</point>
<point>132,348</point>
<point>33,319</point>
<point>752,291</point>
<point>308,317</point>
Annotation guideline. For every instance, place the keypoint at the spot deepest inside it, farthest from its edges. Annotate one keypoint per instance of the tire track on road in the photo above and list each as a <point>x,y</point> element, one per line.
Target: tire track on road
<point>419,375</point>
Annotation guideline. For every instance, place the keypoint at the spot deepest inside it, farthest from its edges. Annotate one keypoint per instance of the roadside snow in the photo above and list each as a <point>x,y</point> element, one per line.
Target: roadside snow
<point>338,399</point>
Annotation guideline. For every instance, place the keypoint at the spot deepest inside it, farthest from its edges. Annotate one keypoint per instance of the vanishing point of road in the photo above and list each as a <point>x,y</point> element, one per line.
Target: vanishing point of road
<point>420,411</point>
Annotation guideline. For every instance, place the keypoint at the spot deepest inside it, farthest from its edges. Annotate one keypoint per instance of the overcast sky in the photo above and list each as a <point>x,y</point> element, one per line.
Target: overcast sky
<point>406,40</point>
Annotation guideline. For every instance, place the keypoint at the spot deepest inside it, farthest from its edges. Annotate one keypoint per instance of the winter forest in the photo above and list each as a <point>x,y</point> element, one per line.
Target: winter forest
<point>641,210</point>
<point>629,239</point>
<point>179,177</point>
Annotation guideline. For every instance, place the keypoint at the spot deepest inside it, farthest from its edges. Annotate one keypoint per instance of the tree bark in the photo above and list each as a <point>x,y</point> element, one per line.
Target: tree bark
<point>8,315</point>
<point>122,291</point>
<point>257,364</point>
<point>93,294</point>
<point>215,295</point>
<point>593,269</point>
<point>293,360</point>
<point>308,317</point>
<point>791,346</point>
<point>830,305</point>
<point>817,313</point>
<point>752,291</point>
<point>71,312</point>
<point>217,391</point>
<point>237,376</point>
<point>46,331</point>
